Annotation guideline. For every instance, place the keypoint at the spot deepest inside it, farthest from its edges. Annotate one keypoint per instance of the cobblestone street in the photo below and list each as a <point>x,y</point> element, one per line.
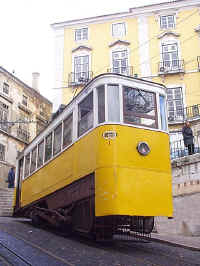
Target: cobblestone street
<point>41,247</point>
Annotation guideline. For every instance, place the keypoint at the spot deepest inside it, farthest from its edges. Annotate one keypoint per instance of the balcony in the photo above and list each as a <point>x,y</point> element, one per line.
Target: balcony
<point>171,67</point>
<point>5,126</point>
<point>127,71</point>
<point>188,113</point>
<point>23,134</point>
<point>79,79</point>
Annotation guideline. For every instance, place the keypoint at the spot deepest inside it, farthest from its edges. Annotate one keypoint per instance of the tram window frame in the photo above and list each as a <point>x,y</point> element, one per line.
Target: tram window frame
<point>33,160</point>
<point>101,104</point>
<point>40,156</point>
<point>27,168</point>
<point>138,115</point>
<point>85,113</point>
<point>57,140</point>
<point>48,147</point>
<point>67,130</point>
<point>113,102</point>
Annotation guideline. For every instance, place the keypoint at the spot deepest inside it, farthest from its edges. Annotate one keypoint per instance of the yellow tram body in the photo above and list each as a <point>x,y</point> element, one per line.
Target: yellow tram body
<point>125,182</point>
<point>102,178</point>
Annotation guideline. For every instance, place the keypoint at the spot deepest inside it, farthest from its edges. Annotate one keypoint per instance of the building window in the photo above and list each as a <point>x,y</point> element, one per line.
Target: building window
<point>4,116</point>
<point>40,126</point>
<point>170,57</point>
<point>85,114</point>
<point>40,154</point>
<point>2,152</point>
<point>57,139</point>
<point>120,62</point>
<point>48,147</point>
<point>33,160</point>
<point>25,100</point>
<point>23,127</point>
<point>167,22</point>
<point>5,88</point>
<point>81,68</point>
<point>81,34</point>
<point>175,104</point>
<point>139,107</point>
<point>119,29</point>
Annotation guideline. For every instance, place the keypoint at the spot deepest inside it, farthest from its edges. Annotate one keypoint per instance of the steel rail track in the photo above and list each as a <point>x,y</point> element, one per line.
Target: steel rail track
<point>15,254</point>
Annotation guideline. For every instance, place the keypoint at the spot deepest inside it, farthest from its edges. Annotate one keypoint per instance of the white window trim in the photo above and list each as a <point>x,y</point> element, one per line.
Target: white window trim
<point>173,86</point>
<point>79,41</point>
<point>119,48</point>
<point>168,41</point>
<point>166,15</point>
<point>81,53</point>
<point>119,36</point>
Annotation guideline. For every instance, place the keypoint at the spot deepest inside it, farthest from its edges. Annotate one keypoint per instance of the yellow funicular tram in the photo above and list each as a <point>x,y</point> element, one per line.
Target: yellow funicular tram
<point>103,164</point>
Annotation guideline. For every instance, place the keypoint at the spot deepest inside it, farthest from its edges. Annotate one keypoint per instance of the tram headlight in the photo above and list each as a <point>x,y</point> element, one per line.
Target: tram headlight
<point>143,148</point>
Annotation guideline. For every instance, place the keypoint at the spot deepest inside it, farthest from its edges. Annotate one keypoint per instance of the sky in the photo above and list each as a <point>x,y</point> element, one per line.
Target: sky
<point>27,40</point>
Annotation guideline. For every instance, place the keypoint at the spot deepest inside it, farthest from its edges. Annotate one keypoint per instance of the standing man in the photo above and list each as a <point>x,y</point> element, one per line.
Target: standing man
<point>188,137</point>
<point>11,178</point>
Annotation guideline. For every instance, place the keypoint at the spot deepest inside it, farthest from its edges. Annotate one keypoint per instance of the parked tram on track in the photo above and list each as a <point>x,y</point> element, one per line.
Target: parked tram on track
<point>102,166</point>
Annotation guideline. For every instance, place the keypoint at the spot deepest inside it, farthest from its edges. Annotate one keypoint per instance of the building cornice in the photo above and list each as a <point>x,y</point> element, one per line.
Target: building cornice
<point>142,10</point>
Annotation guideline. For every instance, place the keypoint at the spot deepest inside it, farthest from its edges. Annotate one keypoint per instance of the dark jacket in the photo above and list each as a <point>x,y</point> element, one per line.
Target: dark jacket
<point>187,135</point>
<point>11,178</point>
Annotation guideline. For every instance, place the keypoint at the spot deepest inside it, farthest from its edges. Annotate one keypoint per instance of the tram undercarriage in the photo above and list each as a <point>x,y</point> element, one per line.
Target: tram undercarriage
<point>72,209</point>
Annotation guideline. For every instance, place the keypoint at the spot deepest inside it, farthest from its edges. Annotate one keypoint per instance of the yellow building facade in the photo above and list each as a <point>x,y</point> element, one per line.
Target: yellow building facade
<point>157,42</point>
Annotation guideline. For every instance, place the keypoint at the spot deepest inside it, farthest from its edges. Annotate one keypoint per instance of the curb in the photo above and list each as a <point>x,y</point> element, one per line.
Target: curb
<point>175,244</point>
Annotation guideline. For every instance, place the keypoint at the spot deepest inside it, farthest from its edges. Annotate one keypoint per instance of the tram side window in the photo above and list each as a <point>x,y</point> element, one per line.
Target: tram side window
<point>140,107</point>
<point>113,103</point>
<point>27,165</point>
<point>33,159</point>
<point>48,147</point>
<point>85,114</point>
<point>40,154</point>
<point>67,131</point>
<point>57,139</point>
<point>101,103</point>
<point>21,162</point>
<point>163,113</point>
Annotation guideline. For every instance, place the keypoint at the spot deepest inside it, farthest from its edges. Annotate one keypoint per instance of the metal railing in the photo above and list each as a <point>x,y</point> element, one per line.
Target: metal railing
<point>127,70</point>
<point>187,113</point>
<point>5,126</point>
<point>178,149</point>
<point>79,78</point>
<point>171,66</point>
<point>23,134</point>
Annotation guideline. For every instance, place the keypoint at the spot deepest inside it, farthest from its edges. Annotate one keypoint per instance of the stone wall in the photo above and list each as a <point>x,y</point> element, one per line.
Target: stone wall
<point>186,198</point>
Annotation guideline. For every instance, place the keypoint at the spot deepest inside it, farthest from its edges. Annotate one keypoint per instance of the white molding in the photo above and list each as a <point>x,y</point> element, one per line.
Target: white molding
<point>59,65</point>
<point>143,10</point>
<point>145,66</point>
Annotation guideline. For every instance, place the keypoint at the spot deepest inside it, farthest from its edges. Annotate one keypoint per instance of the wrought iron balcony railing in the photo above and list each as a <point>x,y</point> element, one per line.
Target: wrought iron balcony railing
<point>79,78</point>
<point>5,126</point>
<point>23,134</point>
<point>127,71</point>
<point>178,149</point>
<point>171,66</point>
<point>188,113</point>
